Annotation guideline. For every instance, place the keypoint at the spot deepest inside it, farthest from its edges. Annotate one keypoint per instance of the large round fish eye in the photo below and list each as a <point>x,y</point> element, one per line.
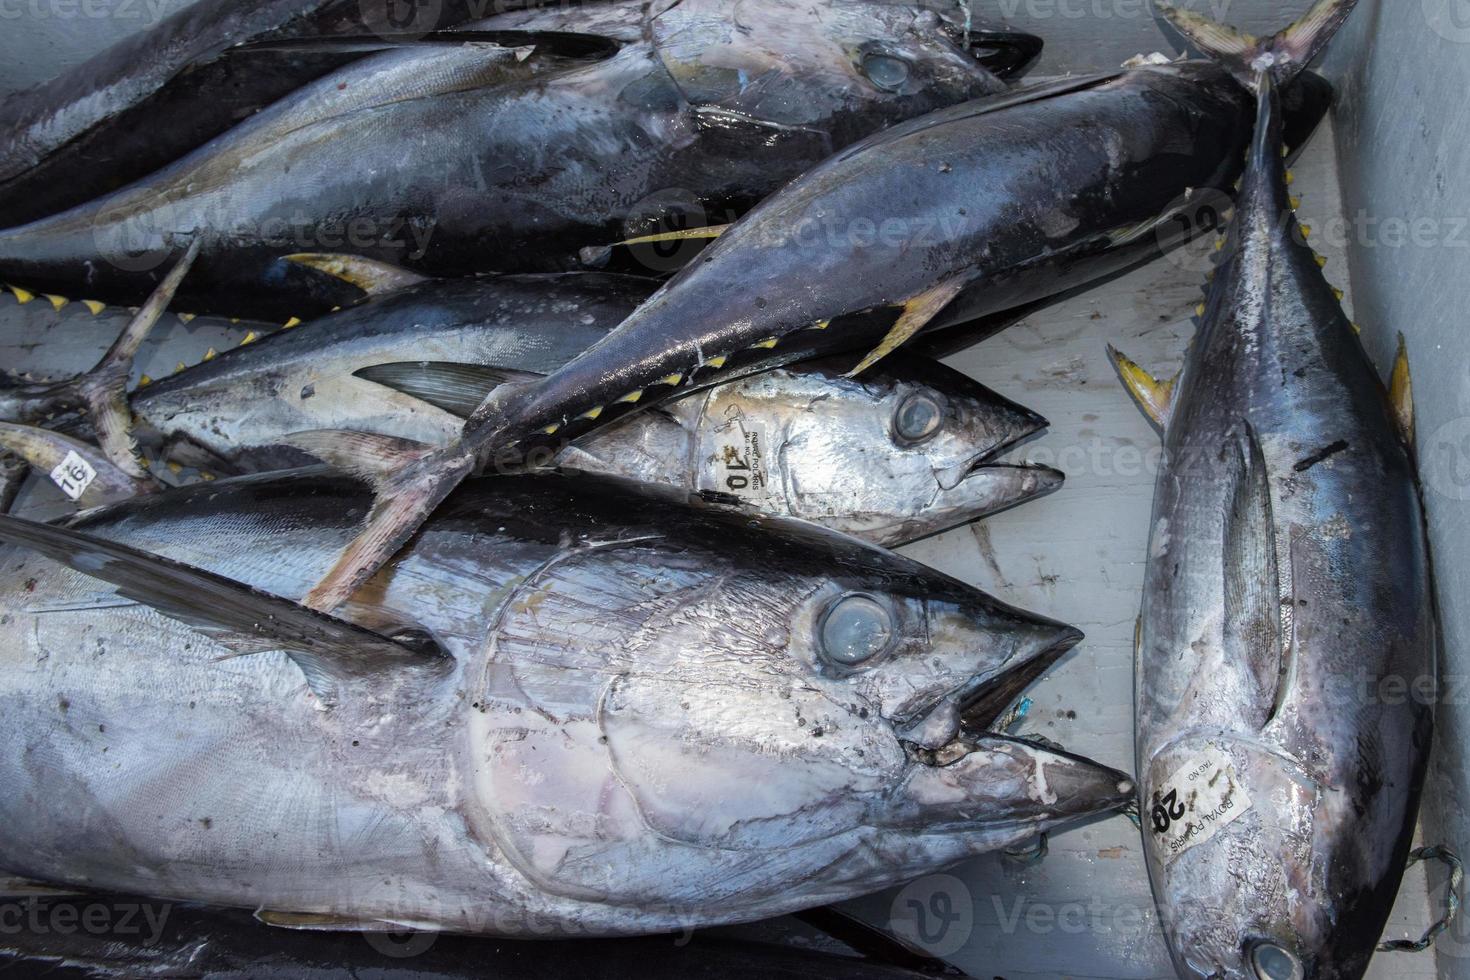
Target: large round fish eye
<point>918,417</point>
<point>886,71</point>
<point>1272,962</point>
<point>855,629</point>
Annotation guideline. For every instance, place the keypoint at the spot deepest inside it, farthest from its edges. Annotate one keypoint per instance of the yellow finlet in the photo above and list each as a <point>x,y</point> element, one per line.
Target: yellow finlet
<point>670,379</point>
<point>768,343</point>
<point>551,429</point>
<point>820,325</point>
<point>22,296</point>
<point>1339,294</point>
<point>1356,328</point>
<point>1401,393</point>
<point>1155,397</point>
<point>917,313</point>
<point>717,361</point>
<point>295,321</point>
<point>57,302</point>
<point>1321,260</point>
<point>144,381</point>
<point>591,413</point>
<point>1199,310</point>
<point>186,317</point>
<point>207,477</point>
<point>181,366</point>
<point>1295,202</point>
<point>631,398</point>
<point>210,354</point>
<point>96,306</point>
<point>1291,177</point>
<point>174,468</point>
<point>250,338</point>
<point>234,319</point>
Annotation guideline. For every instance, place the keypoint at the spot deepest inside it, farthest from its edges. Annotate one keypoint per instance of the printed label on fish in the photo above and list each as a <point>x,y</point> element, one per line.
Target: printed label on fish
<point>73,475</point>
<point>1192,806</point>
<point>740,462</point>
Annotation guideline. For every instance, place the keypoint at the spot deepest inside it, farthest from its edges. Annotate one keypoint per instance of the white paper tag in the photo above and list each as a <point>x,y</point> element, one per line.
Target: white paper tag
<point>740,460</point>
<point>73,475</point>
<point>1203,796</point>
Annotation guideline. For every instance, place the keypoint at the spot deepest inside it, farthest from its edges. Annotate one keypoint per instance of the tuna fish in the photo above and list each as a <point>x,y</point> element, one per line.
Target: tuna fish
<point>965,213</point>
<point>157,94</point>
<point>567,709</point>
<point>905,452</point>
<point>1288,582</point>
<point>541,145</point>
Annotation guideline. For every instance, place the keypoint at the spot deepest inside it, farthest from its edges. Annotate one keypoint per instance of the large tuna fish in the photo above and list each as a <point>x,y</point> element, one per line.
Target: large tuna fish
<point>157,94</point>
<point>568,709</point>
<point>513,157</point>
<point>1288,582</point>
<point>904,452</point>
<point>964,213</point>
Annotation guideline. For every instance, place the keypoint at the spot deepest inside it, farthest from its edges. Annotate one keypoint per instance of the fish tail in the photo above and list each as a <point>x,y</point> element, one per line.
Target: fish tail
<point>1280,57</point>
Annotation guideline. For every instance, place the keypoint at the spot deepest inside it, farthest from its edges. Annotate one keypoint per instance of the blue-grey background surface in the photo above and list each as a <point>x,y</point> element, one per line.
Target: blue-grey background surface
<point>1385,187</point>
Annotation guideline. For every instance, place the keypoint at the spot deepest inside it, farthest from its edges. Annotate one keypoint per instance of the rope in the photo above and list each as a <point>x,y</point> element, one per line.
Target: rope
<point>1452,904</point>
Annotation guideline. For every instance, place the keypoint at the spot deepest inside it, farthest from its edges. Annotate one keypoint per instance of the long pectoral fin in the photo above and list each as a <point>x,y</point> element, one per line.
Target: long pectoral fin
<point>917,313</point>
<point>371,276</point>
<point>457,388</point>
<point>1252,587</point>
<point>565,44</point>
<point>328,650</point>
<point>1401,393</point>
<point>83,472</point>
<point>1155,397</point>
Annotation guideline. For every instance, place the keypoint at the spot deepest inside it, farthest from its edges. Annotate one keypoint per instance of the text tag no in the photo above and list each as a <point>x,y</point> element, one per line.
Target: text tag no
<point>73,475</point>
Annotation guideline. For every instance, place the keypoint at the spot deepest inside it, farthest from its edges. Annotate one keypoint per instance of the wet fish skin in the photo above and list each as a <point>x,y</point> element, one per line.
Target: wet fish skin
<point>801,441</point>
<point>1288,582</point>
<point>154,96</point>
<point>593,631</point>
<point>694,114</point>
<point>746,306</point>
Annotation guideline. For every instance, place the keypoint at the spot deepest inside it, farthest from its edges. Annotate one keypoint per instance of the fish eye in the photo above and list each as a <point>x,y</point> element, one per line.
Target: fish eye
<point>886,71</point>
<point>855,629</point>
<point>1272,962</point>
<point>918,417</point>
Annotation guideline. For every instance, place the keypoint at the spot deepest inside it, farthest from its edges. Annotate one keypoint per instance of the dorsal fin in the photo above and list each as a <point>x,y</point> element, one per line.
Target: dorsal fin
<point>1252,596</point>
<point>370,275</point>
<point>457,388</point>
<point>328,650</point>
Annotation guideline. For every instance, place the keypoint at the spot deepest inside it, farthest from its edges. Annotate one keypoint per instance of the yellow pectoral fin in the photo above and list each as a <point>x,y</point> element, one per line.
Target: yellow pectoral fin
<point>917,312</point>
<point>371,276</point>
<point>710,231</point>
<point>1155,397</point>
<point>1401,393</point>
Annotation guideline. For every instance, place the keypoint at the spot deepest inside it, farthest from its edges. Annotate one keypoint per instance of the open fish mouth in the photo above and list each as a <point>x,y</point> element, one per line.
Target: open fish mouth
<point>1005,54</point>
<point>988,463</point>
<point>946,730</point>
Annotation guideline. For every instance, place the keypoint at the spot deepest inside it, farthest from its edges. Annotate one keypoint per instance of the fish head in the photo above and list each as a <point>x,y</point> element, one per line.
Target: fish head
<point>762,723</point>
<point>1262,870</point>
<point>843,66</point>
<point>901,452</point>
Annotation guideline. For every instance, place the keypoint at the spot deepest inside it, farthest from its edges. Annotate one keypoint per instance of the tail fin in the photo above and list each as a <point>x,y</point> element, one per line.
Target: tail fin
<point>1282,56</point>
<point>83,473</point>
